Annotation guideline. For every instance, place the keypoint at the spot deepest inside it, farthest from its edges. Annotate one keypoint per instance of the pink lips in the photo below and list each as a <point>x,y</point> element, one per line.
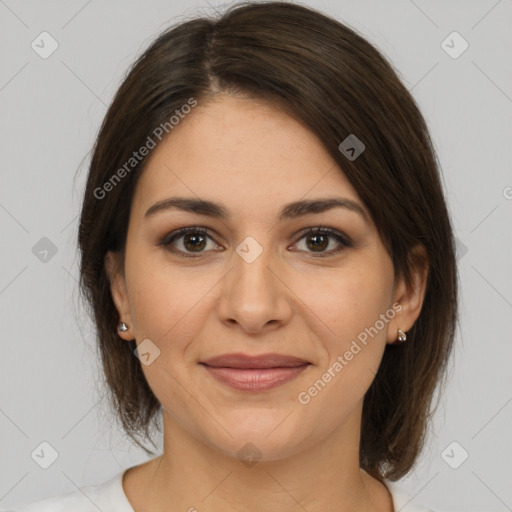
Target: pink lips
<point>254,373</point>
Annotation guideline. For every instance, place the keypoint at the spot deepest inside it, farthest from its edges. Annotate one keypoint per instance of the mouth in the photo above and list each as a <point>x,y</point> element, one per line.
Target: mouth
<point>254,373</point>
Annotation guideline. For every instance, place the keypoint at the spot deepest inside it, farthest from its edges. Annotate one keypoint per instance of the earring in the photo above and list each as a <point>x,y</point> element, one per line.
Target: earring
<point>122,327</point>
<point>401,336</point>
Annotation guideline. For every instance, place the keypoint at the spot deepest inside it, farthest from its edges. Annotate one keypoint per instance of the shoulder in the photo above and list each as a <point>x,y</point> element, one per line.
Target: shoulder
<point>108,495</point>
<point>402,500</point>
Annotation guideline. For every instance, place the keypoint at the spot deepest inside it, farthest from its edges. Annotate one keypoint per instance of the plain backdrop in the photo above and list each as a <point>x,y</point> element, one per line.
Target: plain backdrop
<point>51,110</point>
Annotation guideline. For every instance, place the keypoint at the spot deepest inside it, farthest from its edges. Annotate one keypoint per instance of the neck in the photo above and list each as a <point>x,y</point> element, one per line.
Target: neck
<point>194,476</point>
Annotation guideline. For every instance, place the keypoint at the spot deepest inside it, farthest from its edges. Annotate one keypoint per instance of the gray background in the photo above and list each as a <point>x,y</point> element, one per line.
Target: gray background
<point>51,110</point>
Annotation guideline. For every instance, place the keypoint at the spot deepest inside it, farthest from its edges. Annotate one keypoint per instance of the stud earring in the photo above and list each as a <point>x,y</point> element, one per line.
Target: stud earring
<point>122,327</point>
<point>401,336</point>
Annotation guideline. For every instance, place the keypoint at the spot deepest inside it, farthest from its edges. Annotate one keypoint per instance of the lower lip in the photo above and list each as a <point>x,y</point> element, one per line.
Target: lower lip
<point>255,379</point>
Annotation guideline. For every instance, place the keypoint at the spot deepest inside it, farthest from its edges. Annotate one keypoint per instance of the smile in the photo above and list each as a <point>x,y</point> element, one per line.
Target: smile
<point>255,379</point>
<point>254,372</point>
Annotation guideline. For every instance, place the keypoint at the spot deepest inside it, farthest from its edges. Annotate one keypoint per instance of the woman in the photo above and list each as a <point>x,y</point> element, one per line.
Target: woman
<point>266,249</point>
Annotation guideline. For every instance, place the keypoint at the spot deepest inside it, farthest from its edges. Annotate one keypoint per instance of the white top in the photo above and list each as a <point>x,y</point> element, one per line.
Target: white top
<point>110,497</point>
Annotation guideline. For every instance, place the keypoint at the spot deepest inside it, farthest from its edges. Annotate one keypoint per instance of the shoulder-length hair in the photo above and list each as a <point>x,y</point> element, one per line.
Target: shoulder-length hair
<point>336,84</point>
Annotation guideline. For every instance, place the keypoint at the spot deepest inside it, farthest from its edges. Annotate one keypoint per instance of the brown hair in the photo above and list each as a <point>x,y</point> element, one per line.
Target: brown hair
<point>335,83</point>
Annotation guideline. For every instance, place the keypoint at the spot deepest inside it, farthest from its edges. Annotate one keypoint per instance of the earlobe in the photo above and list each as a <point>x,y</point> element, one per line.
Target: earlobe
<point>410,296</point>
<point>119,295</point>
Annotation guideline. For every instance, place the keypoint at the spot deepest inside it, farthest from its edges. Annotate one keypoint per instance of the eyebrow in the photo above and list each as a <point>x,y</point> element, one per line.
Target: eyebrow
<point>289,211</point>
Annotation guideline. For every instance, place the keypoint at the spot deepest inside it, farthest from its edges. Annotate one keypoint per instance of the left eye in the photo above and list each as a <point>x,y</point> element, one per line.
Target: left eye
<point>319,239</point>
<point>192,242</point>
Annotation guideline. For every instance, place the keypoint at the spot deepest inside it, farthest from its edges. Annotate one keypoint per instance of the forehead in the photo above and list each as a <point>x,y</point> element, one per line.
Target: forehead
<point>240,152</point>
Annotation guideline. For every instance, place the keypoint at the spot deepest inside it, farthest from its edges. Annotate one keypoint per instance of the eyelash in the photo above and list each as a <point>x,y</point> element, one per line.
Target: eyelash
<point>343,240</point>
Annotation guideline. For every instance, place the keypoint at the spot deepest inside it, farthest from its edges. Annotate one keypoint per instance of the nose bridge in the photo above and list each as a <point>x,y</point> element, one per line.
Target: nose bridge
<point>251,274</point>
<point>252,295</point>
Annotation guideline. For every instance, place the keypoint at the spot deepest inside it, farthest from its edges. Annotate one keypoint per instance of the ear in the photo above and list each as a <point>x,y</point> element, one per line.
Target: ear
<point>410,296</point>
<point>115,274</point>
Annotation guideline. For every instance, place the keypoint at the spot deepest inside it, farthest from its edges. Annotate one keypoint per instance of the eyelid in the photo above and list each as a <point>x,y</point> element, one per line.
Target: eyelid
<point>326,230</point>
<point>339,236</point>
<point>167,240</point>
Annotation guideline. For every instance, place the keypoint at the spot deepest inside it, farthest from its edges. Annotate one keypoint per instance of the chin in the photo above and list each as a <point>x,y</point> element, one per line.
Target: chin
<point>258,436</point>
<point>251,449</point>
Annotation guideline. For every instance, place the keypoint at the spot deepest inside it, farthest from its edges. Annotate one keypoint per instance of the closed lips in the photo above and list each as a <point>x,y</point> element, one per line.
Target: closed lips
<point>244,361</point>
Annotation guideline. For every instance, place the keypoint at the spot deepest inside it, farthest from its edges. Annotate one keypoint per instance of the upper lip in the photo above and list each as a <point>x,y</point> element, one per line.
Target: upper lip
<point>239,360</point>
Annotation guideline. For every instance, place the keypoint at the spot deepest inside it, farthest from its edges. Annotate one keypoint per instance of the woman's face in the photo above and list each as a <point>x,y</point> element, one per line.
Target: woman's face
<point>258,282</point>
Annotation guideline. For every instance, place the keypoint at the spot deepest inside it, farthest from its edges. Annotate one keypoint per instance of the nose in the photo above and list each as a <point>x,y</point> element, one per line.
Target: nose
<point>254,295</point>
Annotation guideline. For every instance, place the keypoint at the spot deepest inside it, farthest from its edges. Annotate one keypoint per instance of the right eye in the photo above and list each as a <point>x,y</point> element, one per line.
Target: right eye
<point>187,242</point>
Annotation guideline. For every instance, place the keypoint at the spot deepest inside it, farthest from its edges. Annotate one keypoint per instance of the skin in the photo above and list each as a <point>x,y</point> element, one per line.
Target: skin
<point>253,158</point>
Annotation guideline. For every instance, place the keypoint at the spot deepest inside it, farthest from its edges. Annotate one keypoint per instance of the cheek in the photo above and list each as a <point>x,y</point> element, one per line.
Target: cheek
<point>346,301</point>
<point>163,301</point>
<point>168,307</point>
<point>350,308</point>
<point>169,304</point>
